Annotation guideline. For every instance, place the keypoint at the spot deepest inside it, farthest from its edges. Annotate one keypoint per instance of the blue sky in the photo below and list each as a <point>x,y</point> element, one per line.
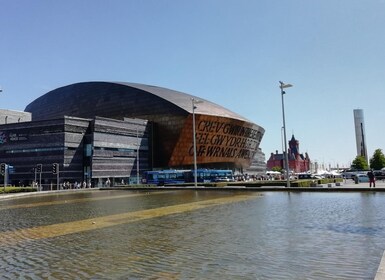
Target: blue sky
<point>229,52</point>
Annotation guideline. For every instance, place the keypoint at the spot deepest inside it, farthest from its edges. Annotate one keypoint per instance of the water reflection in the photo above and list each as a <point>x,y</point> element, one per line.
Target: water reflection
<point>274,236</point>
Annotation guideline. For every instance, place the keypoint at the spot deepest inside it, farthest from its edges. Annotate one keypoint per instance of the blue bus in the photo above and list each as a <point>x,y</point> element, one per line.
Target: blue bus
<point>162,177</point>
<point>211,175</point>
<point>169,177</point>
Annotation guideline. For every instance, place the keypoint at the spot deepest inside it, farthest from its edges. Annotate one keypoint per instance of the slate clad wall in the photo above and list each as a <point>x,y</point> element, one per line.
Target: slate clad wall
<point>115,145</point>
<point>24,145</point>
<point>112,146</point>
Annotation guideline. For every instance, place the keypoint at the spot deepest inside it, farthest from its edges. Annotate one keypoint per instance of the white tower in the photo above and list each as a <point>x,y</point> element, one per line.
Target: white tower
<point>360,133</point>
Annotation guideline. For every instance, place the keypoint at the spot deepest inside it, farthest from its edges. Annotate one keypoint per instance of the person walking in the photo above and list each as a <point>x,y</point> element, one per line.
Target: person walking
<point>372,179</point>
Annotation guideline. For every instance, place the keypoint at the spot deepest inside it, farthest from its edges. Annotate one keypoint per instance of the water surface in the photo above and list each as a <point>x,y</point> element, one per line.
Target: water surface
<point>192,235</point>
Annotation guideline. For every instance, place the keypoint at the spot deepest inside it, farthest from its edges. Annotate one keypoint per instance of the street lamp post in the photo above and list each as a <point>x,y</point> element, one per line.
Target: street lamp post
<point>137,155</point>
<point>193,102</point>
<point>283,86</point>
<point>137,151</point>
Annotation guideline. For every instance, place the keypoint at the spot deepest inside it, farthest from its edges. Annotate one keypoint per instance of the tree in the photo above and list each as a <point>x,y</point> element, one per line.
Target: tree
<point>277,168</point>
<point>378,160</point>
<point>360,163</point>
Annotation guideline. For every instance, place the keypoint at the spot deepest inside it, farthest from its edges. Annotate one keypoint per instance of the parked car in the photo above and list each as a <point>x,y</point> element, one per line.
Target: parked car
<point>380,174</point>
<point>304,176</point>
<point>223,179</point>
<point>361,178</point>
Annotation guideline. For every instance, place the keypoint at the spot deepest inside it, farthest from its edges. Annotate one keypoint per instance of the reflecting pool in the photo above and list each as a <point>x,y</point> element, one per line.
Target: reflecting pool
<point>192,235</point>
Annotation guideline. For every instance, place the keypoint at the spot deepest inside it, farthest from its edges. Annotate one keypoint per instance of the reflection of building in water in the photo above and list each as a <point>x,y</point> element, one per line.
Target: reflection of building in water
<point>100,130</point>
<point>359,126</point>
<point>297,162</point>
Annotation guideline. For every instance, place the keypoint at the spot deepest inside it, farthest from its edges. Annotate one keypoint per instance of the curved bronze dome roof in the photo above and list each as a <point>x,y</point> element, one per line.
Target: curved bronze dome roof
<point>118,99</point>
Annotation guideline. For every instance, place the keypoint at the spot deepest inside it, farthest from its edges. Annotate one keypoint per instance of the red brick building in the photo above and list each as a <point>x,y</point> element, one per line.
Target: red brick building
<point>297,162</point>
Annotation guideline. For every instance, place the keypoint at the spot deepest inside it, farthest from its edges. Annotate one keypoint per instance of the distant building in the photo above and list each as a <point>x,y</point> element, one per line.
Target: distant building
<point>297,162</point>
<point>10,116</point>
<point>359,126</point>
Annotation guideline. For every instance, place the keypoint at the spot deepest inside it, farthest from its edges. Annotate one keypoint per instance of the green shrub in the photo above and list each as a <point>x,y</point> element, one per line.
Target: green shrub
<point>12,189</point>
<point>302,183</point>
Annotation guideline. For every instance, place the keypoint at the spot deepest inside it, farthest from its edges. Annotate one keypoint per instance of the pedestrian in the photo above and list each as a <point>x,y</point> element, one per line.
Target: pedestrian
<point>372,179</point>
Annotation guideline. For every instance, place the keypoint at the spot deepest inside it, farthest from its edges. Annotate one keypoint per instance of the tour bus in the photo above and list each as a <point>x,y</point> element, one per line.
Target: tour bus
<point>169,177</point>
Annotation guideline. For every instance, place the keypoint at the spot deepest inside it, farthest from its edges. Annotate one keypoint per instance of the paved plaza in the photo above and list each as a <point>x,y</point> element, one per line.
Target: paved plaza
<point>351,184</point>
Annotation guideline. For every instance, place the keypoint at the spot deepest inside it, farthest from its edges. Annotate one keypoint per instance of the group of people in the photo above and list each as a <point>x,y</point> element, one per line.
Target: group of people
<point>77,185</point>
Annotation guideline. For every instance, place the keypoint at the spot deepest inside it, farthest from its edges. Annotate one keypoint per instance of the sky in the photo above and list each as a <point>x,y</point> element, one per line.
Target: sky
<point>231,52</point>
